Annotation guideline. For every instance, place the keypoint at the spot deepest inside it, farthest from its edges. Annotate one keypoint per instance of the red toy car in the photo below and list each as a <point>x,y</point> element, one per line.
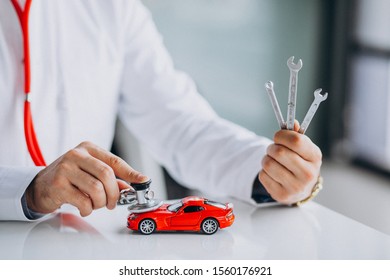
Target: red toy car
<point>191,213</point>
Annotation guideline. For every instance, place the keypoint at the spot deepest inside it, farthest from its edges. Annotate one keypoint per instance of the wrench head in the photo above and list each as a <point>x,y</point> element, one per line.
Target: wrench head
<point>319,96</point>
<point>269,85</point>
<point>294,66</point>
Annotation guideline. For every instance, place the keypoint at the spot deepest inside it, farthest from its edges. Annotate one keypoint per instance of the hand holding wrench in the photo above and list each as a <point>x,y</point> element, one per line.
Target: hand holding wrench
<point>318,98</point>
<point>269,86</point>
<point>292,93</point>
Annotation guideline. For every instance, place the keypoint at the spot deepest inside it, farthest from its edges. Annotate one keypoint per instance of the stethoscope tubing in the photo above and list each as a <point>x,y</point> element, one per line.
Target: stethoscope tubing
<point>29,132</point>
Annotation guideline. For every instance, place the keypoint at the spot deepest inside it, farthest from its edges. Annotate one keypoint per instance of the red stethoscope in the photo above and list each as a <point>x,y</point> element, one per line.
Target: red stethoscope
<point>29,132</point>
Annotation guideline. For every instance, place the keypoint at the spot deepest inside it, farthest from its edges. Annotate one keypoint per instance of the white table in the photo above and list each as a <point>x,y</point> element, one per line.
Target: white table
<point>309,232</point>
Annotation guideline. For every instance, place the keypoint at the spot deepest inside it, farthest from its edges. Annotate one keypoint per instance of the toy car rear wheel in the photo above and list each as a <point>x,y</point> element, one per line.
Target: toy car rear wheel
<point>147,226</point>
<point>209,226</point>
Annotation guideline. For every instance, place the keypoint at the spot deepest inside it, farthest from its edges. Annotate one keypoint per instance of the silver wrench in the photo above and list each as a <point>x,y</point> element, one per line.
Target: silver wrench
<point>269,86</point>
<point>318,98</point>
<point>292,93</point>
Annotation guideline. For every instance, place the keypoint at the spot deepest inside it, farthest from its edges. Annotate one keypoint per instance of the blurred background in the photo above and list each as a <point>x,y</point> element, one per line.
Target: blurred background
<point>232,47</point>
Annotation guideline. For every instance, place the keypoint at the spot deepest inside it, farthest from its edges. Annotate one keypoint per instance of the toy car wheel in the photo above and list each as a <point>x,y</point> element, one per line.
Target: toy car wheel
<point>147,226</point>
<point>209,226</point>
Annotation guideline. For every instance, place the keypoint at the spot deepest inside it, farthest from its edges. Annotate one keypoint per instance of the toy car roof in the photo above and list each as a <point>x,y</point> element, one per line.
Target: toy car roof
<point>192,199</point>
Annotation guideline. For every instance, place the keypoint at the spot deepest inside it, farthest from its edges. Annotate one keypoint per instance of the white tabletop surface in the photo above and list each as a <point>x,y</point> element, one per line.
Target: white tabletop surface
<point>309,232</point>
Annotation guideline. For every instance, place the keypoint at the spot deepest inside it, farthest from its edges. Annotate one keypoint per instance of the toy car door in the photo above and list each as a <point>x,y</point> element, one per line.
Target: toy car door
<point>189,216</point>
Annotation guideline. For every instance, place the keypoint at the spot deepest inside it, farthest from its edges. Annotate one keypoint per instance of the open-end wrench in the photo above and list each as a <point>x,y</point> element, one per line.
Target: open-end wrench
<point>269,86</point>
<point>318,98</point>
<point>292,92</point>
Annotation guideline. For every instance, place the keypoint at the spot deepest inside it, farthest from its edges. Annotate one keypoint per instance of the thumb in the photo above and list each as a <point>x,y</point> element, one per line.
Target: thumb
<point>297,126</point>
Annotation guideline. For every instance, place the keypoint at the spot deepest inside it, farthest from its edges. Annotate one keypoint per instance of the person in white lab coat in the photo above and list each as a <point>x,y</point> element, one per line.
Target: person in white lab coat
<point>94,61</point>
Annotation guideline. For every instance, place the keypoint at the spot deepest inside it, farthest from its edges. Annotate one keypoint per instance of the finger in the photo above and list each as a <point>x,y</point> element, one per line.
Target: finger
<point>279,192</point>
<point>119,166</point>
<point>93,177</point>
<point>287,158</point>
<point>75,197</point>
<point>92,187</point>
<point>122,184</point>
<point>276,171</point>
<point>105,176</point>
<point>290,183</point>
<point>296,125</point>
<point>273,187</point>
<point>299,143</point>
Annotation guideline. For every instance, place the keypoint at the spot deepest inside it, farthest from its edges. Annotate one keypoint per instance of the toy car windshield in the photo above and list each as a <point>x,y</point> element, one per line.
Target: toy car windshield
<point>175,206</point>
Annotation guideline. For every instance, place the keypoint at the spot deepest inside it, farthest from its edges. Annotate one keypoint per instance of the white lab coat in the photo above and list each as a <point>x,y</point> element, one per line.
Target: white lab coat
<point>94,60</point>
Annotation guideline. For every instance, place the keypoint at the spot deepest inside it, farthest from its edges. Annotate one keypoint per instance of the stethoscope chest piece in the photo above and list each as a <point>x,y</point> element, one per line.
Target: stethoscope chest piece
<point>143,198</point>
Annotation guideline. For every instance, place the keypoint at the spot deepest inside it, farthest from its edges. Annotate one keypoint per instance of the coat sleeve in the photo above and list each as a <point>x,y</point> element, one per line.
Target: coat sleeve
<point>163,109</point>
<point>13,183</point>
